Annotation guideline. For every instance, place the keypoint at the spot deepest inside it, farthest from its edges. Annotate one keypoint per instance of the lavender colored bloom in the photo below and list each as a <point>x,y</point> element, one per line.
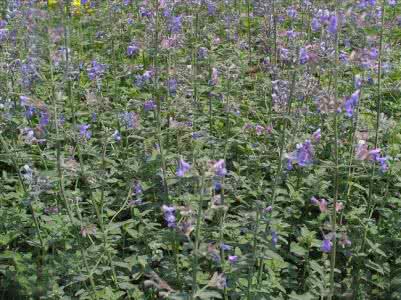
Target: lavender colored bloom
<point>314,201</point>
<point>3,24</point>
<point>94,117</point>
<point>176,24</point>
<point>383,164</point>
<point>44,119</point>
<point>326,246</point>
<point>217,186</point>
<point>392,2</point>
<point>172,86</point>
<point>316,136</point>
<point>169,216</point>
<point>116,136</point>
<point>202,53</point>
<point>358,81</point>
<point>315,24</point>
<point>130,119</point>
<point>232,259</point>
<point>225,247</point>
<point>303,56</point>
<point>292,12</point>
<point>215,77</point>
<point>220,168</point>
<point>268,209</point>
<point>149,105</point>
<point>133,49</point>
<point>351,103</point>
<point>211,8</point>
<point>96,70</point>
<point>182,168</point>
<point>274,238</point>
<point>84,132</point>
<point>333,24</point>
<point>29,112</point>
<point>304,154</point>
<point>373,53</point>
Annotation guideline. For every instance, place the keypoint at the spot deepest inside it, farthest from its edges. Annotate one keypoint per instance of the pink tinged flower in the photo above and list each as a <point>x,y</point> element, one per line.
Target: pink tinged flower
<point>323,205</point>
<point>183,167</point>
<point>215,77</point>
<point>259,129</point>
<point>339,206</point>
<point>362,152</point>
<point>268,209</point>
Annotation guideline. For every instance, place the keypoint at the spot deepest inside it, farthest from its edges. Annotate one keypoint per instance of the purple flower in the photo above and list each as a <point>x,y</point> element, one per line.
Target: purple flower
<point>172,86</point>
<point>202,53</point>
<point>314,201</point>
<point>392,2</point>
<point>133,49</point>
<point>149,105</point>
<point>211,8</point>
<point>316,136</point>
<point>303,56</point>
<point>182,168</point>
<point>215,77</point>
<point>315,24</point>
<point>333,24</point>
<point>225,247</point>
<point>220,168</point>
<point>274,238</point>
<point>351,103</point>
<point>292,12</point>
<point>304,154</point>
<point>176,24</point>
<point>268,209</point>
<point>44,119</point>
<point>383,164</point>
<point>96,70</point>
<point>116,136</point>
<point>232,259</point>
<point>169,216</point>
<point>326,246</point>
<point>84,132</point>
<point>130,119</point>
<point>29,112</point>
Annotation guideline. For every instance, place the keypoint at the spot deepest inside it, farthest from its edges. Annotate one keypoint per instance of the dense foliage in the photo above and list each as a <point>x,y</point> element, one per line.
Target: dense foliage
<point>200,149</point>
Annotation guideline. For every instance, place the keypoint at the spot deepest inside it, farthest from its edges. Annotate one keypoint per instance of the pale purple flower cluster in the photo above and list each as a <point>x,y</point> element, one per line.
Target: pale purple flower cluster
<point>169,216</point>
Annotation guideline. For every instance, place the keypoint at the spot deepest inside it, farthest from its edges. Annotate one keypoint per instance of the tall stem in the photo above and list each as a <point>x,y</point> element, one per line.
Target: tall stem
<point>195,260</point>
<point>336,173</point>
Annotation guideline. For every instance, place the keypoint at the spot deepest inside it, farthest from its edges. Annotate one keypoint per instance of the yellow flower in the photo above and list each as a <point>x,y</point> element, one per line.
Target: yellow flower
<point>76,3</point>
<point>51,3</point>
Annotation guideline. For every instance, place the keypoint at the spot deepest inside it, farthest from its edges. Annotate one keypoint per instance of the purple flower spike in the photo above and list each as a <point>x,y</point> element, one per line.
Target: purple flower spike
<point>305,153</point>
<point>303,56</point>
<point>326,246</point>
<point>274,238</point>
<point>182,168</point>
<point>333,24</point>
<point>169,216</point>
<point>220,168</point>
<point>84,132</point>
<point>149,105</point>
